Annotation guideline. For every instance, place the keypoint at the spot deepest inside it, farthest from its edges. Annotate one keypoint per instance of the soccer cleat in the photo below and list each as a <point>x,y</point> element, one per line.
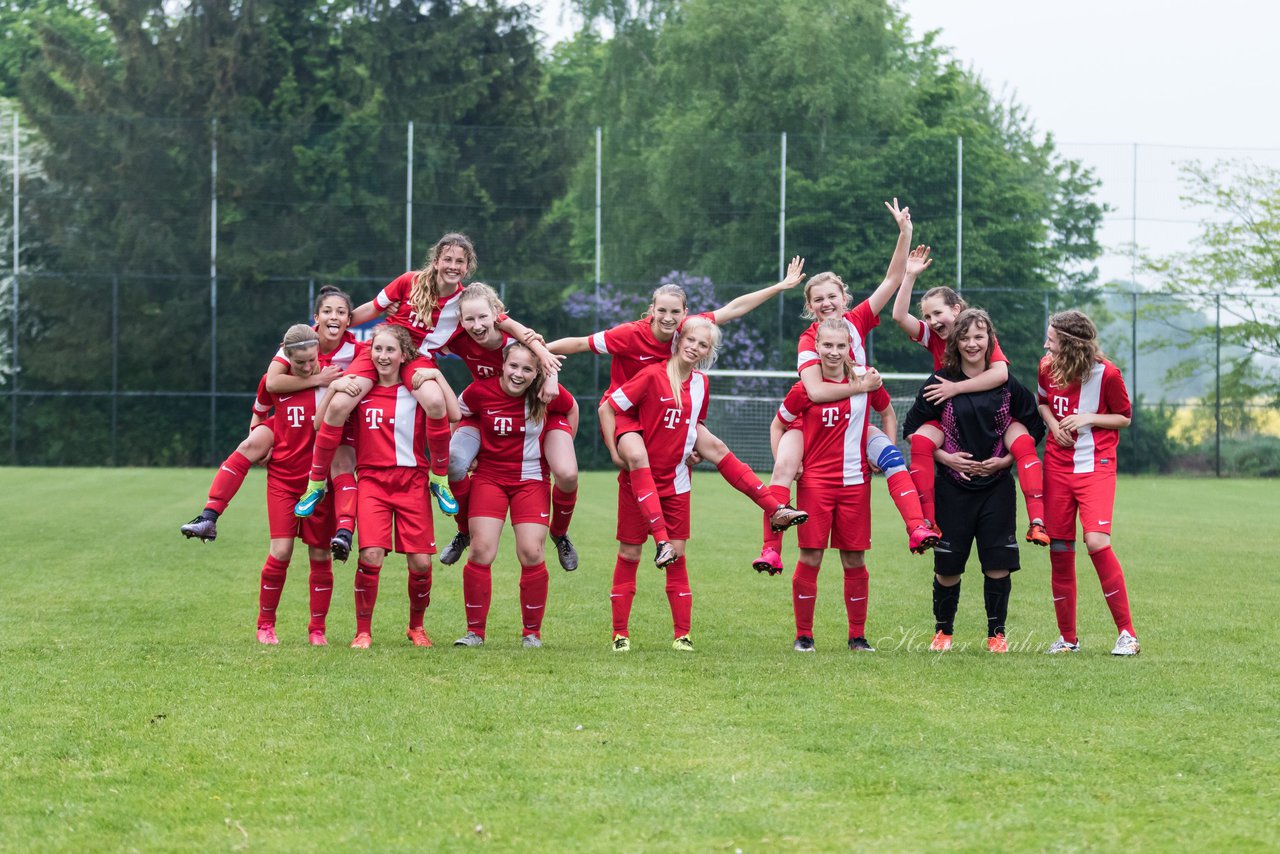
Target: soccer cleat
<point>859,644</point>
<point>921,539</point>
<point>934,527</point>
<point>786,516</point>
<point>1126,644</point>
<point>418,636</point>
<point>317,638</point>
<point>531,642</point>
<point>444,496</point>
<point>997,644</point>
<point>310,499</point>
<point>1037,534</point>
<point>454,550</point>
<point>566,552</point>
<point>340,545</point>
<point>665,556</point>
<point>682,644</point>
<point>202,526</point>
<point>1061,645</point>
<point>469,639</point>
<point>769,561</point>
<point>804,643</point>
<point>941,642</point>
<point>267,635</point>
<point>621,643</point>
<point>362,640</point>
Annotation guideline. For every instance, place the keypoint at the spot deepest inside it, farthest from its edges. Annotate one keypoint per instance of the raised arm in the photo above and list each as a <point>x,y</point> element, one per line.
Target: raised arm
<point>898,263</point>
<point>364,313</point>
<point>917,262</point>
<point>569,346</point>
<point>739,306</point>
<point>517,330</point>
<point>992,377</point>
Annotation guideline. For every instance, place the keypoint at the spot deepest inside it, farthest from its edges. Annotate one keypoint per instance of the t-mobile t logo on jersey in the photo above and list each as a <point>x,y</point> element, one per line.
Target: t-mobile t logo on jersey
<point>830,416</point>
<point>484,371</point>
<point>415,319</point>
<point>297,415</point>
<point>373,418</point>
<point>1061,406</point>
<point>502,425</point>
<point>671,419</point>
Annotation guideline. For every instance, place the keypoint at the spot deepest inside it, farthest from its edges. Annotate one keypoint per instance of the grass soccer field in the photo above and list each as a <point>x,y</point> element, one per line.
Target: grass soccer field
<point>138,712</point>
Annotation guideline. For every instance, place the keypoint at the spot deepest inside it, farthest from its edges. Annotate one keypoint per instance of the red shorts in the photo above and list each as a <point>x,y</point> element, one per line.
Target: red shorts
<point>839,517</point>
<point>362,366</point>
<point>633,529</point>
<point>395,498</point>
<point>528,500</point>
<point>1092,495</point>
<point>316,530</point>
<point>557,422</point>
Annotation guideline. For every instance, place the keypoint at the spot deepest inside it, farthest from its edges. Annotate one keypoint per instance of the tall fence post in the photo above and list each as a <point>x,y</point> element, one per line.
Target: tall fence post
<point>408,201</point>
<point>17,246</point>
<point>1217,385</point>
<point>213,290</point>
<point>959,213</point>
<point>1133,345</point>
<point>115,365</point>
<point>599,203</point>
<point>782,238</point>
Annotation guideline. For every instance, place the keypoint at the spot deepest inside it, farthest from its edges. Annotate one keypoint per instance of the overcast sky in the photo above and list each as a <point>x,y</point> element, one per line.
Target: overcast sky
<point>1180,79</point>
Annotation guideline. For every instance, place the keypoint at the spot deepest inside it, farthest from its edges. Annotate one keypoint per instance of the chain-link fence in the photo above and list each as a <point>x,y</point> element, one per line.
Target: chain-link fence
<point>155,366</point>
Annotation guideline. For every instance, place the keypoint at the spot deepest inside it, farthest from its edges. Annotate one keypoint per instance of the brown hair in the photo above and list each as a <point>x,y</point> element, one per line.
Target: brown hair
<point>1078,348</point>
<point>424,296</point>
<point>402,338</point>
<point>967,318</point>
<point>332,291</point>
<point>837,325</point>
<point>825,278</point>
<point>535,405</point>
<point>666,290</point>
<point>949,298</point>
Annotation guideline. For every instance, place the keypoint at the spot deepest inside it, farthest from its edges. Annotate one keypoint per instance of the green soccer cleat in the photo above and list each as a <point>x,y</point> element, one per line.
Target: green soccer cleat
<point>444,495</point>
<point>310,499</point>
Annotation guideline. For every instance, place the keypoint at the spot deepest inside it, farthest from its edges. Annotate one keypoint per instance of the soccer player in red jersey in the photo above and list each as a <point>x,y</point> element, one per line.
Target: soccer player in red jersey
<point>294,435</point>
<point>975,497</point>
<point>337,348</point>
<point>394,509</point>
<point>827,297</point>
<point>1084,402</point>
<point>939,308</point>
<point>427,307</point>
<point>668,403</point>
<point>481,344</point>
<point>508,417</point>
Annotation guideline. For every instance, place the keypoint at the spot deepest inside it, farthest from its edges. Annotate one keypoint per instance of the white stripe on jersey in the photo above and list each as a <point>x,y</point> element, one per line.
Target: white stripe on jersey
<point>786,414</point>
<point>697,393</point>
<point>621,399</point>
<point>925,335</point>
<point>462,404</point>
<point>446,325</point>
<point>1090,395</point>
<point>531,465</point>
<point>856,351</point>
<point>853,439</point>
<point>406,420</point>
<point>805,356</point>
<point>598,343</point>
<point>343,356</point>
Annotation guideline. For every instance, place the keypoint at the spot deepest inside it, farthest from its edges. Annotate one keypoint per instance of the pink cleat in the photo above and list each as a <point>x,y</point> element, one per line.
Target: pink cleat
<point>769,561</point>
<point>362,641</point>
<point>317,638</point>
<point>922,538</point>
<point>418,636</point>
<point>267,635</point>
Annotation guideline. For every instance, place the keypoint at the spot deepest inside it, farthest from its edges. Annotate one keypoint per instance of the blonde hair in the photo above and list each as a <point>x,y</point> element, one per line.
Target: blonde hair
<point>663,291</point>
<point>298,336</point>
<point>425,293</point>
<point>966,319</point>
<point>836,325</point>
<point>826,278</point>
<point>479,290</point>
<point>536,406</point>
<point>690,325</point>
<point>1078,348</point>
<point>402,338</point>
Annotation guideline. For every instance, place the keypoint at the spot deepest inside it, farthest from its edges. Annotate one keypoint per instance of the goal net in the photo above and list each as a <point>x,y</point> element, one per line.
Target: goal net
<point>744,402</point>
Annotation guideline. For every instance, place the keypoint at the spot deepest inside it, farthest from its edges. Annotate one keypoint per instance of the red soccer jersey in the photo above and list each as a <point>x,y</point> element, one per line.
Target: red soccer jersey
<point>480,361</point>
<point>1102,392</point>
<point>670,426</point>
<point>295,433</point>
<point>633,348</point>
<point>390,429</point>
<point>835,437</point>
<point>262,401</point>
<point>938,346</point>
<point>860,320</point>
<point>428,334</point>
<point>510,444</point>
